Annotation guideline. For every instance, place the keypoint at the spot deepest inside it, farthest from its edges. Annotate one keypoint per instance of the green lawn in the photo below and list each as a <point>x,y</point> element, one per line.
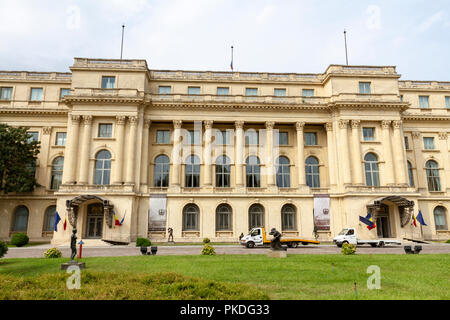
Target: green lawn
<point>422,276</point>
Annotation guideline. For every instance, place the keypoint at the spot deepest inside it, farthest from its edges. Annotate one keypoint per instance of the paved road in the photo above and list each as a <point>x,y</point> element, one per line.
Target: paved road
<point>117,251</point>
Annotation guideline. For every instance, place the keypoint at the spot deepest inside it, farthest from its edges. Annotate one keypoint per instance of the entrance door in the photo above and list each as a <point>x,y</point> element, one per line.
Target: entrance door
<point>382,224</point>
<point>94,225</point>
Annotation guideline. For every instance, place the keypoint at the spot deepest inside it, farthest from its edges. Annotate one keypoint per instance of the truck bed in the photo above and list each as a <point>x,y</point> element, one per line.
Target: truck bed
<point>295,240</point>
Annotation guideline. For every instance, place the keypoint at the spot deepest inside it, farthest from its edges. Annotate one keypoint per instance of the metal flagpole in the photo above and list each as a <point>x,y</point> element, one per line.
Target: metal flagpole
<point>232,57</point>
<point>345,40</point>
<point>121,47</point>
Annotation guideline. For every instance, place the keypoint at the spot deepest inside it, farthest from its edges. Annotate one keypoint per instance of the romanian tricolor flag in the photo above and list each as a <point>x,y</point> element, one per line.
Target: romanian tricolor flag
<point>414,220</point>
<point>118,222</point>
<point>370,218</point>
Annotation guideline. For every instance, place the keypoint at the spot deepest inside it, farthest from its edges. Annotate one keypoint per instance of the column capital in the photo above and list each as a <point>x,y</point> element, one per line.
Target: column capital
<point>177,124</point>
<point>343,124</point>
<point>415,134</point>
<point>270,125</point>
<point>239,124</point>
<point>329,126</point>
<point>87,120</point>
<point>208,124</point>
<point>47,130</point>
<point>147,123</point>
<point>397,124</point>
<point>133,120</point>
<point>120,120</point>
<point>300,125</point>
<point>75,118</point>
<point>443,135</point>
<point>355,124</point>
<point>385,124</point>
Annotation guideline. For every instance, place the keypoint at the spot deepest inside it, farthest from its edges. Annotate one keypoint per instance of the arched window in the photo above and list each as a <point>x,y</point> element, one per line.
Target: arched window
<point>372,171</point>
<point>410,174</point>
<point>102,172</point>
<point>190,217</point>
<point>283,172</point>
<point>20,222</point>
<point>57,171</point>
<point>223,171</point>
<point>253,171</point>
<point>256,216</point>
<point>440,218</point>
<point>223,218</point>
<point>49,220</point>
<point>288,217</point>
<point>312,172</point>
<point>434,182</point>
<point>161,173</point>
<point>192,172</point>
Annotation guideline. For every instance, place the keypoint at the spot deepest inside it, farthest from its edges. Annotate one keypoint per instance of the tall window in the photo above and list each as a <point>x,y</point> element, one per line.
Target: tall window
<point>428,143</point>
<point>283,172</point>
<point>49,221</point>
<point>410,174</point>
<point>57,171</point>
<point>252,137</point>
<point>61,138</point>
<point>192,173</point>
<point>102,171</point>
<point>20,220</point>
<point>253,171</point>
<point>223,171</point>
<point>162,136</point>
<point>161,173</point>
<point>6,93</point>
<point>33,136</point>
<point>193,137</point>
<point>424,102</point>
<point>288,217</point>
<point>308,92</point>
<point>364,87</point>
<point>255,216</point>
<point>36,94</point>
<point>283,138</point>
<point>369,134</point>
<point>190,217</point>
<point>108,82</point>
<point>279,92</point>
<point>406,143</point>
<point>312,172</point>
<point>447,102</point>
<point>222,137</point>
<point>432,170</point>
<point>105,130</point>
<point>164,89</point>
<point>372,171</point>
<point>223,217</point>
<point>440,218</point>
<point>310,139</point>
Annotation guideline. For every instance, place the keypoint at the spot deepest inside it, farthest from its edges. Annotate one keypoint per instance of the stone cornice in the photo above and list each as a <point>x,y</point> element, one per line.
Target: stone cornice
<point>414,117</point>
<point>32,111</point>
<point>107,100</point>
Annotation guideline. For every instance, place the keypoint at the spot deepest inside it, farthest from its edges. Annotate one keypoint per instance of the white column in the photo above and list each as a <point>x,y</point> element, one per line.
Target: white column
<point>356,154</point>
<point>300,155</point>
<point>421,183</point>
<point>399,155</point>
<point>269,154</point>
<point>176,157</point>
<point>388,161</point>
<point>207,153</point>
<point>71,153</point>
<point>239,153</point>
<point>144,164</point>
<point>331,151</point>
<point>120,135</point>
<point>131,152</point>
<point>85,148</point>
<point>344,154</point>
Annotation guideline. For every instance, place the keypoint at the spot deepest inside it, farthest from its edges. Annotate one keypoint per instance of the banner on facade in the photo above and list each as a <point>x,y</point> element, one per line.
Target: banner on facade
<point>322,211</point>
<point>157,213</point>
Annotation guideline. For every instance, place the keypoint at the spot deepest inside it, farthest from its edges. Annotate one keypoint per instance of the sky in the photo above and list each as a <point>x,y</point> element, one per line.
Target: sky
<point>299,36</point>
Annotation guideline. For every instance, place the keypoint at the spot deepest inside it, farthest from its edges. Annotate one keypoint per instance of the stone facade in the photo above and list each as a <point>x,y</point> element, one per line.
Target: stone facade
<point>212,154</point>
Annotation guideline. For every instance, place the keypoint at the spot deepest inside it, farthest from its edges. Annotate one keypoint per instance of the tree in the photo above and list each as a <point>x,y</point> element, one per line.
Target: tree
<point>18,155</point>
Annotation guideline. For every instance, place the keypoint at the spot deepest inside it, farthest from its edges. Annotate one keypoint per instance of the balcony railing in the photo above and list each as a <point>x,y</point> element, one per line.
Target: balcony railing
<point>99,92</point>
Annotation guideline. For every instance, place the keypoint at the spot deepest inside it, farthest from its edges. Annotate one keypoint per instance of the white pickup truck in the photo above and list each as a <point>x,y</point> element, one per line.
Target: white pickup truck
<point>348,235</point>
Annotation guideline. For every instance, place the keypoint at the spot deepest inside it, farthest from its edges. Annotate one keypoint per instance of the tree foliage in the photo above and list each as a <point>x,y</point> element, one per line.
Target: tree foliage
<point>18,155</point>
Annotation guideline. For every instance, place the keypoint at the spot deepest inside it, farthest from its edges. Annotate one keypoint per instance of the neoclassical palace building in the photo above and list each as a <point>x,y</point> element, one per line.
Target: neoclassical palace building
<point>129,152</point>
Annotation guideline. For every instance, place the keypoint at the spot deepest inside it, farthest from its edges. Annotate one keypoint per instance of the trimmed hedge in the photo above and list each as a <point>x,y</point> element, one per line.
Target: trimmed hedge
<point>143,242</point>
<point>19,239</point>
<point>3,248</point>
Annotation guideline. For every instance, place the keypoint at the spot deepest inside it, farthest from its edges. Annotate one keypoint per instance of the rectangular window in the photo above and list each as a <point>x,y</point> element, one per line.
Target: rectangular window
<point>36,94</point>
<point>33,136</point>
<point>108,82</point>
<point>61,138</point>
<point>164,89</point>
<point>251,91</point>
<point>447,102</point>
<point>105,130</point>
<point>64,92</point>
<point>5,93</point>
<point>428,143</point>
<point>310,139</point>
<point>223,91</point>
<point>364,87</point>
<point>222,137</point>
<point>193,137</point>
<point>401,98</point>
<point>406,143</point>
<point>424,102</point>
<point>283,138</point>
<point>194,90</point>
<point>308,92</point>
<point>162,136</point>
<point>279,92</point>
<point>252,137</point>
<point>369,134</point>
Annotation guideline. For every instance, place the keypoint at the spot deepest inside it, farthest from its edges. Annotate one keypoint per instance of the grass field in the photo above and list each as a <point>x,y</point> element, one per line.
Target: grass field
<point>297,277</point>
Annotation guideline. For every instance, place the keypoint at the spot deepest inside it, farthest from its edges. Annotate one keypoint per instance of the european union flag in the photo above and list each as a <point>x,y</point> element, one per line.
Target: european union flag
<point>420,218</point>
<point>57,220</point>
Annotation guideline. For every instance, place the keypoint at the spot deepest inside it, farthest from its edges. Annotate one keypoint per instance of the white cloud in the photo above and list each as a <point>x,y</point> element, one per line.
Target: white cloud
<point>428,23</point>
<point>373,21</point>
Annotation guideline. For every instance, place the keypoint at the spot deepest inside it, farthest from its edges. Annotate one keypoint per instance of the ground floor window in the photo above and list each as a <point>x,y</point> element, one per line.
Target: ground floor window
<point>223,217</point>
<point>256,216</point>
<point>20,222</point>
<point>49,221</point>
<point>190,218</point>
<point>440,218</point>
<point>288,220</point>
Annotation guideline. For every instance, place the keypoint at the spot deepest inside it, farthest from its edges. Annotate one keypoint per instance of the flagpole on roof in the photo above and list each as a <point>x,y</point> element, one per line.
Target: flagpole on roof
<point>345,40</point>
<point>232,57</point>
<point>121,46</point>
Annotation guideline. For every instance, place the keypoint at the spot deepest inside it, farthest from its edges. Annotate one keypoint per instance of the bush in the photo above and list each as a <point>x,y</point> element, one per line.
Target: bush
<point>206,240</point>
<point>3,249</point>
<point>448,241</point>
<point>143,242</point>
<point>208,250</point>
<point>19,239</point>
<point>348,249</point>
<point>52,253</point>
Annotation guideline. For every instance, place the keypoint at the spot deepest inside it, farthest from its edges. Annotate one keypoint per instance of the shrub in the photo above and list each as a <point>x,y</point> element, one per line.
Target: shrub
<point>52,253</point>
<point>348,249</point>
<point>448,241</point>
<point>206,240</point>
<point>19,239</point>
<point>3,249</point>
<point>143,242</point>
<point>208,250</point>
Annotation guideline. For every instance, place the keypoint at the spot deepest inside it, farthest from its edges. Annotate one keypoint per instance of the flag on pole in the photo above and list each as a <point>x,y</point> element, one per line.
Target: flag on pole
<point>368,220</point>
<point>65,223</point>
<point>121,221</point>
<point>57,220</point>
<point>118,222</point>
<point>414,220</point>
<point>420,218</point>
